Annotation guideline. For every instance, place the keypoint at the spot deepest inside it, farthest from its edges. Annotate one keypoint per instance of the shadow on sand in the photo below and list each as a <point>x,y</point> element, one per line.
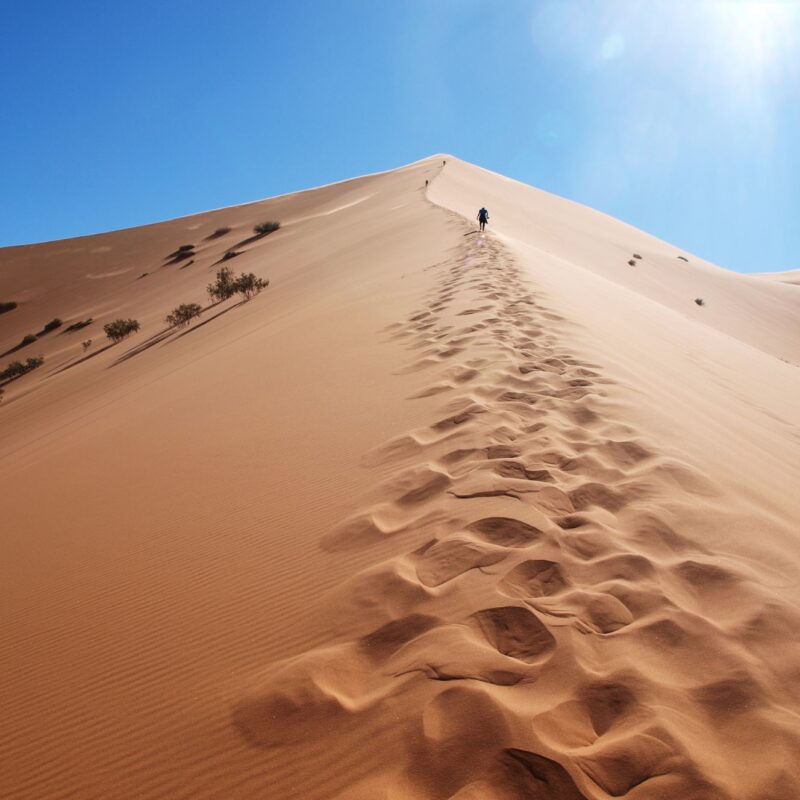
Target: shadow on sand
<point>256,237</point>
<point>171,332</point>
<point>81,360</point>
<point>155,339</point>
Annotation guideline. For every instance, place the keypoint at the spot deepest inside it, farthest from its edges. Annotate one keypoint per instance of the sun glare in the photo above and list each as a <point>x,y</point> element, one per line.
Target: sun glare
<point>754,34</point>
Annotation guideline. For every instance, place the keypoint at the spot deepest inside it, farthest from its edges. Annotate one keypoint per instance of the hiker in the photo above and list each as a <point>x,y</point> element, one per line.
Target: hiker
<point>483,217</point>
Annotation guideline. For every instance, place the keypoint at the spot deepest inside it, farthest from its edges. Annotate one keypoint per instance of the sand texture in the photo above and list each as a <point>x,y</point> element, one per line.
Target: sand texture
<point>435,515</point>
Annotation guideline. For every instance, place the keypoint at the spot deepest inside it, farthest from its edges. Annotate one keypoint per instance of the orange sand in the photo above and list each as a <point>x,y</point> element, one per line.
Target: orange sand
<point>436,515</point>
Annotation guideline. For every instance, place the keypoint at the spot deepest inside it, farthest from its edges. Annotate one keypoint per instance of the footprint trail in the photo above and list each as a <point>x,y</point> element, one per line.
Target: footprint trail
<point>548,633</point>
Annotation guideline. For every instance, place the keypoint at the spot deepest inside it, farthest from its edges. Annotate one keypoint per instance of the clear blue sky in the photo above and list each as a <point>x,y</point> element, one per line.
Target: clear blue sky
<point>680,117</point>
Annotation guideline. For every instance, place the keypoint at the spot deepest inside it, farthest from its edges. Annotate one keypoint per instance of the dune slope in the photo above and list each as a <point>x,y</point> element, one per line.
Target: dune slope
<point>436,515</point>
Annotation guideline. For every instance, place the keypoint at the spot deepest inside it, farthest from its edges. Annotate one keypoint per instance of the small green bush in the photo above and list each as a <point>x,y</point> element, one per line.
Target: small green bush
<point>7,307</point>
<point>120,329</point>
<point>76,326</point>
<point>51,326</point>
<point>183,315</point>
<point>16,369</point>
<point>224,285</point>
<point>248,284</point>
<point>263,228</point>
<point>13,370</point>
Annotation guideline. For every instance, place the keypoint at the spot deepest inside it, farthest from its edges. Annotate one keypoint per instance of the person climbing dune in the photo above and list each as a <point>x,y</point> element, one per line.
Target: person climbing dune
<point>483,217</point>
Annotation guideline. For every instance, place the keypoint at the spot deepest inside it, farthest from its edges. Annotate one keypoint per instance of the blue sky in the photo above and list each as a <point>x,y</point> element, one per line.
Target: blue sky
<point>678,116</point>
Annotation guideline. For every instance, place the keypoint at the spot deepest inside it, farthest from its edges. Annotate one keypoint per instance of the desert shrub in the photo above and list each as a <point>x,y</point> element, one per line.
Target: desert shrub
<point>120,329</point>
<point>13,370</point>
<point>181,254</point>
<point>219,232</point>
<point>86,345</point>
<point>683,258</point>
<point>263,228</point>
<point>632,263</point>
<point>248,284</point>
<point>636,255</point>
<point>183,315</point>
<point>224,285</point>
<point>51,326</point>
<point>29,338</point>
<point>700,301</point>
<point>17,369</point>
<point>76,326</point>
<point>229,254</point>
<point>7,307</point>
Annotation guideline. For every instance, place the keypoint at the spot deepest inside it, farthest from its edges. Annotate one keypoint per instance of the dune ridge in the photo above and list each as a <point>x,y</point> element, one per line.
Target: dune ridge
<point>791,276</point>
<point>552,633</point>
<point>437,515</point>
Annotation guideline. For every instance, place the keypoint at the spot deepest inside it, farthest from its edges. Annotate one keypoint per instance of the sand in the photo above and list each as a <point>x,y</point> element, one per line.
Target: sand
<point>787,276</point>
<point>435,515</point>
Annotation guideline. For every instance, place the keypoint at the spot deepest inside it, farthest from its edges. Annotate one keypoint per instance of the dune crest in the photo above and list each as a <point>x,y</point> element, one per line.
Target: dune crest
<point>523,527</point>
<point>606,617</point>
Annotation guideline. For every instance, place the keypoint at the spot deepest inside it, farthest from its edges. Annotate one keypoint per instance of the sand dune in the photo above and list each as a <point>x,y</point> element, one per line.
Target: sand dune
<point>791,276</point>
<point>436,515</point>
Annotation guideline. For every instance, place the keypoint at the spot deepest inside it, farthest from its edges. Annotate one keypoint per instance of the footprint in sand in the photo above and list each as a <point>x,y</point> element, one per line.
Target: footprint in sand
<point>506,531</point>
<point>454,421</point>
<point>440,561</point>
<point>514,469</point>
<point>515,632</point>
<point>534,578</point>
<point>654,756</point>
<point>419,486</point>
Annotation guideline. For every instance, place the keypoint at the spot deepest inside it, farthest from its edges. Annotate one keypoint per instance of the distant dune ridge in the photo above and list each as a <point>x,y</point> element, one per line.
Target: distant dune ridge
<point>434,515</point>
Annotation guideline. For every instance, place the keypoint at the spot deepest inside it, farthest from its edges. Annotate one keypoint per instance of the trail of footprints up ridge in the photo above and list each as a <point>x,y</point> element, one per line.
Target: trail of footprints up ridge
<point>544,630</point>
